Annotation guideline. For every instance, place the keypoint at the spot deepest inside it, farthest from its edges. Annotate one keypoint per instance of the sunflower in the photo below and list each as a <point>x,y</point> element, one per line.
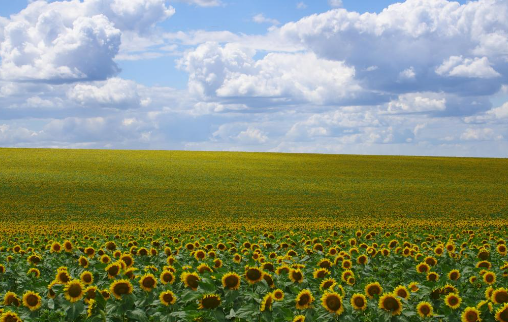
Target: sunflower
<point>269,280</point>
<point>359,302</point>
<point>167,298</point>
<point>105,294</point>
<point>488,292</point>
<point>148,282</point>
<point>74,291</point>
<point>500,296</point>
<point>56,247</point>
<point>502,313</point>
<point>167,277</point>
<point>10,298</point>
<point>327,283</point>
<point>83,261</point>
<point>304,299</point>
<point>325,263</point>
<point>332,302</point>
<point>432,276</point>
<point>278,295</point>
<point>453,300</point>
<point>470,314</point>
<point>347,274</point>
<point>422,268</point>
<point>413,286</point>
<point>231,281</point>
<point>32,300</point>
<point>113,269</point>
<point>347,264</point>
<point>373,289</point>
<point>267,302</point>
<point>190,280</point>
<point>237,258</point>
<point>253,274</point>
<point>203,267</point>
<point>90,293</point>
<point>484,264</point>
<point>296,275</point>
<point>362,260</point>
<point>209,301</point>
<point>282,269</point>
<point>401,291</point>
<point>86,277</point>
<point>10,317</point>
<point>62,277</point>
<point>425,309</point>
<point>34,271</point>
<point>454,274</point>
<point>120,287</point>
<point>127,259</point>
<point>321,272</point>
<point>489,278</point>
<point>390,303</point>
<point>299,318</point>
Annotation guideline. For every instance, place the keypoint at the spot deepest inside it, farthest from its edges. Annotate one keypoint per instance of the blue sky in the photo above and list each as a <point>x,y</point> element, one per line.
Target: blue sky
<point>418,77</point>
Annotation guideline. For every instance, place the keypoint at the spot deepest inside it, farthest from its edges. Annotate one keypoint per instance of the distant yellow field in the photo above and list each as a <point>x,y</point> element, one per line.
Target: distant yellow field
<point>51,185</point>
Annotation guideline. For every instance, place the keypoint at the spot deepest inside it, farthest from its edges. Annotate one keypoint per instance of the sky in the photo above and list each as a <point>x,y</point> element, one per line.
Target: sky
<point>420,77</point>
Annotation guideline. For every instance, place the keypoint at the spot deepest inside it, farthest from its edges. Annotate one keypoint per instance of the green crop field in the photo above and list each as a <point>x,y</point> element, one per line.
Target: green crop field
<point>172,236</point>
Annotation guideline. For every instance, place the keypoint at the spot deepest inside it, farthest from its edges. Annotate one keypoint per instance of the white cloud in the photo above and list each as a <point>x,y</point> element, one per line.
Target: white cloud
<point>418,102</point>
<point>72,40</point>
<point>251,135</point>
<point>203,3</point>
<point>115,93</point>
<point>301,5</point>
<point>500,112</point>
<point>335,3</point>
<point>260,18</point>
<point>480,134</point>
<point>457,66</point>
<point>407,74</point>
<point>231,71</point>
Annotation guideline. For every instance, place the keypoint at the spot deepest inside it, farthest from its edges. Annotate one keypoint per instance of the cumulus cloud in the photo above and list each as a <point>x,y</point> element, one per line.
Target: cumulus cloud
<point>260,18</point>
<point>480,134</point>
<point>114,93</point>
<point>231,71</point>
<point>72,40</point>
<point>457,66</point>
<point>418,102</point>
<point>431,31</point>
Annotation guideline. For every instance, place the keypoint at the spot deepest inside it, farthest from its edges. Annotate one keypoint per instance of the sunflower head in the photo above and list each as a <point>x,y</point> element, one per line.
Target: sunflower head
<point>74,291</point>
<point>327,283</point>
<point>296,275</point>
<point>86,277</point>
<point>390,303</point>
<point>332,302</point>
<point>278,295</point>
<point>299,318</point>
<point>454,274</point>
<point>489,278</point>
<point>401,291</point>
<point>424,309</point>
<point>470,314</point>
<point>304,299</point>
<point>32,300</point>
<point>500,296</point>
<point>10,317</point>
<point>167,298</point>
<point>120,287</point>
<point>267,302</point>
<point>190,280</point>
<point>253,274</point>
<point>90,293</point>
<point>167,277</point>
<point>359,302</point>
<point>502,313</point>
<point>453,300</point>
<point>373,289</point>
<point>148,282</point>
<point>209,301</point>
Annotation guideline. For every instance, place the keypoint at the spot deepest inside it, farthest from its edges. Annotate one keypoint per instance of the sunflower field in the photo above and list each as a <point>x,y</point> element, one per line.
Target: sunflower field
<point>199,236</point>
